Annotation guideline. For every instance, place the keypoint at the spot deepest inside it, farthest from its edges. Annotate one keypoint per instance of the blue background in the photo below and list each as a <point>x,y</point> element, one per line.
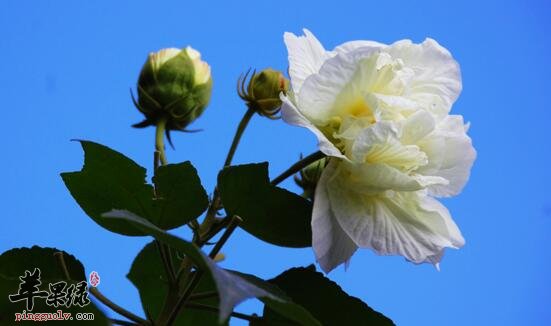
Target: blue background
<point>65,72</point>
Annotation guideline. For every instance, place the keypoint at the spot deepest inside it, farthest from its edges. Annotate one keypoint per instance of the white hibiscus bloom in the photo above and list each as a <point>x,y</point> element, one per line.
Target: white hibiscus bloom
<point>382,113</point>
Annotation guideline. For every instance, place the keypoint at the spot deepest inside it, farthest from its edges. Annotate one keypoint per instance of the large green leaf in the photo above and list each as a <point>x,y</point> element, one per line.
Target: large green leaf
<point>324,299</point>
<point>110,180</point>
<point>272,214</point>
<point>152,284</point>
<point>232,287</point>
<point>14,263</point>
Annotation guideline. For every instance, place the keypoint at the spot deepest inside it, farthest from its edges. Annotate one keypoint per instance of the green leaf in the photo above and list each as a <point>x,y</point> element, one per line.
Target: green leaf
<point>14,263</point>
<point>110,180</point>
<point>181,196</point>
<point>152,284</point>
<point>324,299</point>
<point>272,214</point>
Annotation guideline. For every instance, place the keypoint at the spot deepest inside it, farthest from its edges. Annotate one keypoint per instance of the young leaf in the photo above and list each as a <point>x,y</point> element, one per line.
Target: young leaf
<point>152,284</point>
<point>272,214</point>
<point>324,299</point>
<point>14,263</point>
<point>110,180</point>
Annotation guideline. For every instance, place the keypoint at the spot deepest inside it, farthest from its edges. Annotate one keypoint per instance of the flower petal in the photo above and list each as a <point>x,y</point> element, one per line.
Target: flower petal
<point>353,45</point>
<point>451,156</point>
<point>409,224</point>
<point>320,91</point>
<point>416,127</point>
<point>436,81</point>
<point>380,144</point>
<point>306,55</point>
<point>331,244</point>
<point>291,115</point>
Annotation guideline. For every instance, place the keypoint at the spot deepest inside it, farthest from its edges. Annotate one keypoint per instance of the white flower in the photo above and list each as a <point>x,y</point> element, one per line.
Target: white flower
<point>382,113</point>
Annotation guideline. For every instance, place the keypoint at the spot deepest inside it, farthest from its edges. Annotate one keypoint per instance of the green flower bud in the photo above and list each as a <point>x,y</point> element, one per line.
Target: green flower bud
<point>262,92</point>
<point>174,85</point>
<point>309,176</point>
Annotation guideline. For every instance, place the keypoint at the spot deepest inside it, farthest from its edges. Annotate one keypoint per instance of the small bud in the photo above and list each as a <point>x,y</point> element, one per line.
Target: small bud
<point>262,92</point>
<point>175,85</point>
<point>309,176</point>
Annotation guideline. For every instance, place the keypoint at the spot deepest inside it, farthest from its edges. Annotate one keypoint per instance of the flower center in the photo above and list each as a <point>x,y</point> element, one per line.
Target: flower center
<point>360,109</point>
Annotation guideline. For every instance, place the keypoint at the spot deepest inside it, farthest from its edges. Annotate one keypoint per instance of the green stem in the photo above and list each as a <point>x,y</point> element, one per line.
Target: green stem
<point>203,295</point>
<point>238,133</point>
<point>159,155</point>
<point>207,227</point>
<point>295,168</point>
<point>116,308</point>
<point>160,140</point>
<point>166,258</point>
<point>164,250</point>
<point>215,204</point>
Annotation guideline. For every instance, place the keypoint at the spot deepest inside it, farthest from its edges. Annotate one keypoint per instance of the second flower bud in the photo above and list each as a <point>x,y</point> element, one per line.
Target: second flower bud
<point>263,90</point>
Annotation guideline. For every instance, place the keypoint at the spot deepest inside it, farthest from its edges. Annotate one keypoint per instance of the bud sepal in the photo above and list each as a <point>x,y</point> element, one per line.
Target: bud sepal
<point>262,91</point>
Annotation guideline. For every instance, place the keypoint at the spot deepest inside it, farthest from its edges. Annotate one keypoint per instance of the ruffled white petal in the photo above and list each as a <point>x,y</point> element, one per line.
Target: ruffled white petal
<point>331,244</point>
<point>436,81</point>
<point>451,156</point>
<point>416,127</point>
<point>380,143</point>
<point>291,115</point>
<point>409,224</point>
<point>320,91</point>
<point>319,94</point>
<point>371,179</point>
<point>306,55</point>
<point>353,45</point>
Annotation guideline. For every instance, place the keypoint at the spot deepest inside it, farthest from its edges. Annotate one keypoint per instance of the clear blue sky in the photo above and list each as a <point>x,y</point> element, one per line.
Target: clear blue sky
<point>65,72</point>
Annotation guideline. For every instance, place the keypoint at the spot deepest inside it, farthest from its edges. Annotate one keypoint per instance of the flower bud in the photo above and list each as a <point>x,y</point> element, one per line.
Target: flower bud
<point>309,176</point>
<point>262,92</point>
<point>174,85</point>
